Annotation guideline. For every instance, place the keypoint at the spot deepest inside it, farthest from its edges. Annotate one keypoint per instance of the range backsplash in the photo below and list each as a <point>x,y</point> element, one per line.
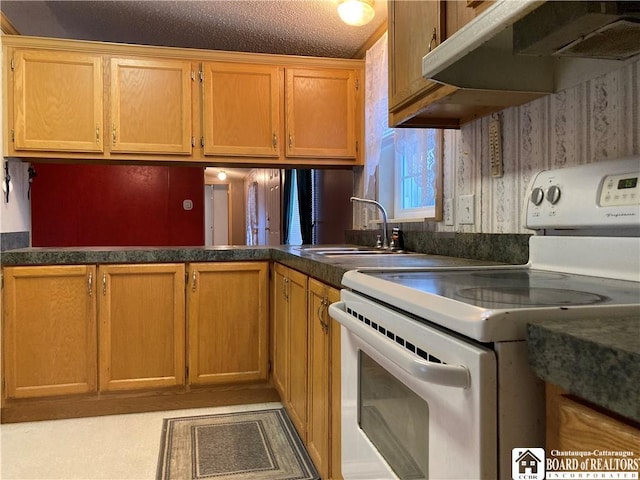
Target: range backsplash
<point>505,248</point>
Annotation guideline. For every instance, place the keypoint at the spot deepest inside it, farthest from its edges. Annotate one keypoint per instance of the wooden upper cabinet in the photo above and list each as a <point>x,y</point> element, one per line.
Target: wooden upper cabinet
<point>57,101</point>
<point>142,326</point>
<point>457,15</point>
<point>241,110</point>
<point>321,109</point>
<point>414,28</point>
<point>49,331</point>
<point>150,106</point>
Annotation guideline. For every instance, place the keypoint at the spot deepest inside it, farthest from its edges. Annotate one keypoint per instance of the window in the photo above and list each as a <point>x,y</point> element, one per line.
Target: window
<point>295,233</point>
<point>416,167</point>
<point>408,161</point>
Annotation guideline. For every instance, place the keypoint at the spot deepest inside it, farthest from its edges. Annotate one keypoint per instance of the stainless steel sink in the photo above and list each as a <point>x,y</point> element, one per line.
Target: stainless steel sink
<point>325,250</point>
<point>349,251</point>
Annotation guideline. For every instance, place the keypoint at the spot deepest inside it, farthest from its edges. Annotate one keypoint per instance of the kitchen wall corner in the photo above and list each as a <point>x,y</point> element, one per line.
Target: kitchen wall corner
<point>593,121</point>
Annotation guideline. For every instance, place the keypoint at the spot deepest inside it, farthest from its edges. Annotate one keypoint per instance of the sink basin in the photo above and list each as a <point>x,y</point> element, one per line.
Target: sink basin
<point>325,250</point>
<point>348,251</point>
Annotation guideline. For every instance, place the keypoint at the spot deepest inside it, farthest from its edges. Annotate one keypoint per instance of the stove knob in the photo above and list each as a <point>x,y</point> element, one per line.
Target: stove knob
<point>537,195</point>
<point>553,194</point>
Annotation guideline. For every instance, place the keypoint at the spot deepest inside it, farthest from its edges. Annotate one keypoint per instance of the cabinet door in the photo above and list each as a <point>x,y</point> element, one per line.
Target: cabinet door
<point>58,101</point>
<point>142,326</point>
<point>297,401</point>
<point>457,15</point>
<point>228,315</point>
<point>280,331</point>
<point>241,110</point>
<point>321,113</point>
<point>411,30</point>
<point>49,336</point>
<point>150,106</point>
<point>319,427</point>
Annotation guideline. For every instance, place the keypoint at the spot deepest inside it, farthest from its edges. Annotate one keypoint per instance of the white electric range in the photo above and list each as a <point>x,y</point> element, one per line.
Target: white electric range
<point>435,381</point>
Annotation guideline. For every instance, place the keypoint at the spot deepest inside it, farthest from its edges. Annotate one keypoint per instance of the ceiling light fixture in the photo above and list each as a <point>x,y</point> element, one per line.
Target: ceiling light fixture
<point>222,175</point>
<point>356,12</point>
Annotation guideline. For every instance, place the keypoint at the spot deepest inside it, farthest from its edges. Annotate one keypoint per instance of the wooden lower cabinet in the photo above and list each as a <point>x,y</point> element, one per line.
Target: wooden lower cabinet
<point>227,322</point>
<point>49,331</point>
<point>575,426</point>
<point>306,363</point>
<point>142,326</point>
<point>323,442</point>
<point>289,370</point>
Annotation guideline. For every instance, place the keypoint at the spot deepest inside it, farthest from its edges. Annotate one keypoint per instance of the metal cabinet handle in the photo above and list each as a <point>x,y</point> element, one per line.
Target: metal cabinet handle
<point>290,141</point>
<point>319,313</point>
<point>322,313</point>
<point>97,134</point>
<point>193,281</point>
<point>275,141</point>
<point>114,135</point>
<point>434,39</point>
<point>90,284</point>
<point>104,284</point>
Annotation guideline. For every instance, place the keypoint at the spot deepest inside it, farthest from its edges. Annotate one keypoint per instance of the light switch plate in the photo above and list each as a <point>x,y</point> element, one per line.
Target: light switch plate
<point>466,209</point>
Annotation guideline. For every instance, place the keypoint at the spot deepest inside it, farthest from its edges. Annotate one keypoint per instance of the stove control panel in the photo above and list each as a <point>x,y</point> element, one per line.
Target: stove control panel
<point>620,190</point>
<point>593,196</point>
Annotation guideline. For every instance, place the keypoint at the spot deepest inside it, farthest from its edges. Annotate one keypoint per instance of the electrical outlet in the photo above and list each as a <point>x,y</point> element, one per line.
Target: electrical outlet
<point>448,212</point>
<point>466,209</point>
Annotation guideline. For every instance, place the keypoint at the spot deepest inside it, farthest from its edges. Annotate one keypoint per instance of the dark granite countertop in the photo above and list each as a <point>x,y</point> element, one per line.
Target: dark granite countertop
<point>595,359</point>
<point>328,270</point>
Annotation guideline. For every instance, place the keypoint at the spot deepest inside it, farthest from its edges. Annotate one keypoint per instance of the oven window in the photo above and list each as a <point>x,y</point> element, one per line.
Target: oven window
<point>394,418</point>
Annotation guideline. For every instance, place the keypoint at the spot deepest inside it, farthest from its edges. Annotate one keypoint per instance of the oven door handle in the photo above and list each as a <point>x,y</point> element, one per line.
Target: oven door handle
<point>430,372</point>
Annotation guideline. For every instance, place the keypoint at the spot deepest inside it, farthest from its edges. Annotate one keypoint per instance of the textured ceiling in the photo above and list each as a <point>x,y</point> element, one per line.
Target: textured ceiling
<point>291,27</point>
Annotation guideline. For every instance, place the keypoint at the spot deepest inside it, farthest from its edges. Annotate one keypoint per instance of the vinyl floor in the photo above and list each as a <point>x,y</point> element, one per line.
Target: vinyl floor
<point>111,447</point>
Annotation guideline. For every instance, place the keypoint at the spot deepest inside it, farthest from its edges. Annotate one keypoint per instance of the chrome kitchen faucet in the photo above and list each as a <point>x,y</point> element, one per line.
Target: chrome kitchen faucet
<point>385,240</point>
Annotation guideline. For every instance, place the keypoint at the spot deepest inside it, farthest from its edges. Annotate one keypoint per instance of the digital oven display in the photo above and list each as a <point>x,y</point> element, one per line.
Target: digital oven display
<point>627,183</point>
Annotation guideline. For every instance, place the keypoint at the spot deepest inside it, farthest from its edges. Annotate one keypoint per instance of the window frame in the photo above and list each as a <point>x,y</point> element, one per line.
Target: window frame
<point>421,213</point>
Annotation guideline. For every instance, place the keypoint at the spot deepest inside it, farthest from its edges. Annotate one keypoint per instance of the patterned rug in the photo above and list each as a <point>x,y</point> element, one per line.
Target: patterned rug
<point>260,445</point>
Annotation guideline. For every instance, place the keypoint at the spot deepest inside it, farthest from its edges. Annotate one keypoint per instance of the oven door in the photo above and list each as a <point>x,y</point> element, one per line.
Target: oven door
<point>417,402</point>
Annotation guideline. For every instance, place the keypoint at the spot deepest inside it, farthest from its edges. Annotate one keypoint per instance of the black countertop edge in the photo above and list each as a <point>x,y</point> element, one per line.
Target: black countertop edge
<point>597,359</point>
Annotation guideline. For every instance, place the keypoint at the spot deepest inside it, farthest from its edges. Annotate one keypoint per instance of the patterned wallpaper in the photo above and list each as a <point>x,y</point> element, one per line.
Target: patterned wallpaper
<point>593,121</point>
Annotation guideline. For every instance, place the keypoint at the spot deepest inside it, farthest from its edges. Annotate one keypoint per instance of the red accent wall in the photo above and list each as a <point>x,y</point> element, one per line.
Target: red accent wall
<point>116,205</point>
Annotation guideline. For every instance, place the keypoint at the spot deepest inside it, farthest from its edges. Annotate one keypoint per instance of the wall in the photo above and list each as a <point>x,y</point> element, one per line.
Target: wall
<point>116,205</point>
<point>596,120</point>
<point>15,217</point>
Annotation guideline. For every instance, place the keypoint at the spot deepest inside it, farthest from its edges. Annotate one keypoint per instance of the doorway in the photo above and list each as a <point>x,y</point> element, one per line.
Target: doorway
<point>217,214</point>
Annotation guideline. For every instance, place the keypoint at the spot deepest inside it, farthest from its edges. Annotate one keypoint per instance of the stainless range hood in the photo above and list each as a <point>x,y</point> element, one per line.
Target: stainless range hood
<point>537,46</point>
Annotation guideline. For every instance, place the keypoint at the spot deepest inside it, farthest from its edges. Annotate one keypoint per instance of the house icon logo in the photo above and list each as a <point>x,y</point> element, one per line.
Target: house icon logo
<point>527,464</point>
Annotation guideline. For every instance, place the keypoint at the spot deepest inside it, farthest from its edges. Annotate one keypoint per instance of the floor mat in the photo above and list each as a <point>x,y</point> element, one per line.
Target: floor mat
<point>261,445</point>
